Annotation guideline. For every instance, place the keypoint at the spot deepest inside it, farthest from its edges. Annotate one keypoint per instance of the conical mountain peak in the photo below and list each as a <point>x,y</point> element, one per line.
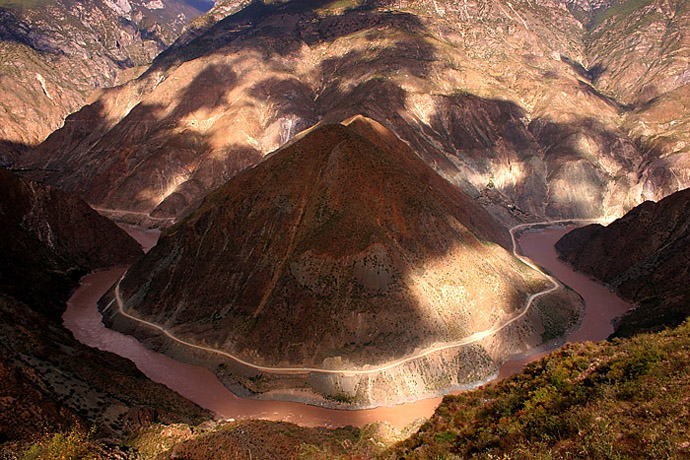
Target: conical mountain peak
<point>330,248</point>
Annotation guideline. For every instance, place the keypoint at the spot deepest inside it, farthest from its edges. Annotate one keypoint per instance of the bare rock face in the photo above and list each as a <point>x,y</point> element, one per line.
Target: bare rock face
<point>54,54</point>
<point>639,58</point>
<point>503,100</point>
<point>339,251</point>
<point>644,257</point>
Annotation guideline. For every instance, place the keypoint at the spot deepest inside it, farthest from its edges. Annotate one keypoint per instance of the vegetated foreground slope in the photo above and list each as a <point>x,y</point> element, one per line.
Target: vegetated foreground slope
<point>53,54</point>
<point>341,250</point>
<point>619,399</point>
<point>644,256</point>
<point>500,99</point>
<point>49,381</point>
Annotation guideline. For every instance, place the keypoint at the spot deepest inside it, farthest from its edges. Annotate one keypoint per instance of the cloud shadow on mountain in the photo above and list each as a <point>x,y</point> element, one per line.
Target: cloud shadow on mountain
<point>282,28</point>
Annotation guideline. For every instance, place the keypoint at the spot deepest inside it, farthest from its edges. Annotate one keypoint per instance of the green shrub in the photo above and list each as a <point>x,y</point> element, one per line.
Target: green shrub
<point>73,445</point>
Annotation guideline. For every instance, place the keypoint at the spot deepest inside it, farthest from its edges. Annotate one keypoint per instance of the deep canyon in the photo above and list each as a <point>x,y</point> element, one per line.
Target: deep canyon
<point>344,229</point>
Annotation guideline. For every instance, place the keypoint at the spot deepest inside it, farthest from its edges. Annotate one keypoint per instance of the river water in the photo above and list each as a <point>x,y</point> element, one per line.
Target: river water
<point>202,387</point>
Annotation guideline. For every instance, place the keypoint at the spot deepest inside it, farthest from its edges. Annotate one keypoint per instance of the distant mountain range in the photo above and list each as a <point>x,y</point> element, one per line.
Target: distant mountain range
<point>53,54</point>
<point>527,106</point>
<point>335,180</point>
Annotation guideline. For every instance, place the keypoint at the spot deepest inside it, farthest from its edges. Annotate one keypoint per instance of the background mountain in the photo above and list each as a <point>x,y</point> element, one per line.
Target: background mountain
<point>553,108</point>
<point>519,104</point>
<point>341,250</point>
<point>644,257</point>
<point>48,380</point>
<point>53,54</point>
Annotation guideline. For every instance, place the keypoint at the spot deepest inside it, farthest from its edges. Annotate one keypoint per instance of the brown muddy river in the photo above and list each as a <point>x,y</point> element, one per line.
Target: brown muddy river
<point>202,387</point>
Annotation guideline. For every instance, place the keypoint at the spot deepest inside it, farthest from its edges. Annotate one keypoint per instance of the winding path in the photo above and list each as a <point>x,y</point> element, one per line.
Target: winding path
<point>476,337</point>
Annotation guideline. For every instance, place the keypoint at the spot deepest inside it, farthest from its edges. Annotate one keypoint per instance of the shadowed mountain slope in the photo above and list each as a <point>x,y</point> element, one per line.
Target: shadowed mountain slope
<point>49,239</point>
<point>343,244</point>
<point>645,257</point>
<point>49,381</point>
<point>498,98</point>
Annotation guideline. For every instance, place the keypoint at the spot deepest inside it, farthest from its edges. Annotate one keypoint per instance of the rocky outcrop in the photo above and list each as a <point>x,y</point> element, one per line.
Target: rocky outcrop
<point>53,55</point>
<point>48,239</point>
<point>644,257</point>
<point>343,250</point>
<point>502,100</point>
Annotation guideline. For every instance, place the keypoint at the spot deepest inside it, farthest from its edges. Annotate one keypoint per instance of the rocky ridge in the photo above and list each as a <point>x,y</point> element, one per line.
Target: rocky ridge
<point>499,99</point>
<point>644,257</point>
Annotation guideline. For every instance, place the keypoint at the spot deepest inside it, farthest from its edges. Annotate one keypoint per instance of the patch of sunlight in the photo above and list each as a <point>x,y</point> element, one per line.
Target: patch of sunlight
<point>167,184</point>
<point>504,176</point>
<point>461,292</point>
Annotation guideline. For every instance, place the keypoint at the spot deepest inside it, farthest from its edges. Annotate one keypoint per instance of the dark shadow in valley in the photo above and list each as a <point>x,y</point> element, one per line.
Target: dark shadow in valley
<point>592,91</point>
<point>201,5</point>
<point>592,75</point>
<point>11,151</point>
<point>197,95</point>
<point>589,74</point>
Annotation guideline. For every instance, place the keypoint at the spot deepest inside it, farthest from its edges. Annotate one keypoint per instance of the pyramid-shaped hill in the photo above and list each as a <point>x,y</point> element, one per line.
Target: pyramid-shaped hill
<point>342,244</point>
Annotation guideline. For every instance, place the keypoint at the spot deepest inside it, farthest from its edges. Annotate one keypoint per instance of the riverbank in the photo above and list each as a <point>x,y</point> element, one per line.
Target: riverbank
<point>201,386</point>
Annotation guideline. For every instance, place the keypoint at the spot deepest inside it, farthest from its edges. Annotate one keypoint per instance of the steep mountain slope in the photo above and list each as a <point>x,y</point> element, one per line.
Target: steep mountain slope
<point>652,60</point>
<point>648,72</point>
<point>53,54</point>
<point>496,97</point>
<point>339,251</point>
<point>48,239</point>
<point>644,257</point>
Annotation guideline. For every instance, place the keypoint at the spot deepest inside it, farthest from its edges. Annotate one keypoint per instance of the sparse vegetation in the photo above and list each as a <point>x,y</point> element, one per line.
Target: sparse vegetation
<point>624,399</point>
<point>75,444</point>
<point>612,400</point>
<point>621,9</point>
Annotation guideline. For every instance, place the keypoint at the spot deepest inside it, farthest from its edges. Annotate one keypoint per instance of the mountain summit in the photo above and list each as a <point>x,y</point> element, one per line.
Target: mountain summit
<point>341,247</point>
